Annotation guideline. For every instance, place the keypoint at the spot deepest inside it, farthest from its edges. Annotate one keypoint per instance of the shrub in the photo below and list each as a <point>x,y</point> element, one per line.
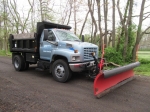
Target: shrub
<point>144,61</point>
<point>112,55</point>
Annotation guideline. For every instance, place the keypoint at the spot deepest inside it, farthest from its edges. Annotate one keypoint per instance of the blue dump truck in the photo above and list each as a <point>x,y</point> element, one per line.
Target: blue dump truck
<point>52,47</point>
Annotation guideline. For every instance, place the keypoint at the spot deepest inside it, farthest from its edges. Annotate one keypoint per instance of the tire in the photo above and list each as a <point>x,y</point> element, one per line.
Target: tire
<point>61,71</point>
<point>18,62</point>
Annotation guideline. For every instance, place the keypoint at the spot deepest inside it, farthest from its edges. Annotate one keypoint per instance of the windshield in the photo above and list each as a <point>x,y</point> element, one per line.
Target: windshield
<point>66,35</point>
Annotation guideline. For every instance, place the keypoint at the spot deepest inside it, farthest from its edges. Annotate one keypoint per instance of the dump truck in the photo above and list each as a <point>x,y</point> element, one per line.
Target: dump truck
<point>55,48</point>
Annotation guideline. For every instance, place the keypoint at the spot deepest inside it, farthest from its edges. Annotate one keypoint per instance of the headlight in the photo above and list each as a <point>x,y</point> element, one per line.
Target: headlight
<point>75,58</point>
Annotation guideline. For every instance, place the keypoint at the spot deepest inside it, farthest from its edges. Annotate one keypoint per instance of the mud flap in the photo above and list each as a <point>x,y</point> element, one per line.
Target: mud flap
<point>111,79</point>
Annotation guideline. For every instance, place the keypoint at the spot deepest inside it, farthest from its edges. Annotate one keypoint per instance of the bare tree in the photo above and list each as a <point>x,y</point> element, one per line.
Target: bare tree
<point>5,26</point>
<point>70,11</point>
<point>124,29</point>
<point>75,20</point>
<point>93,19</point>
<point>32,14</point>
<point>105,20</point>
<point>84,23</point>
<point>99,22</point>
<point>19,23</point>
<point>45,10</point>
<point>139,31</point>
<point>113,24</point>
<point>15,15</point>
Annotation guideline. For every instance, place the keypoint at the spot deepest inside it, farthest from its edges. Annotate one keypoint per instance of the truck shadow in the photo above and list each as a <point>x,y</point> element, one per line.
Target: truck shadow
<point>32,70</point>
<point>45,74</point>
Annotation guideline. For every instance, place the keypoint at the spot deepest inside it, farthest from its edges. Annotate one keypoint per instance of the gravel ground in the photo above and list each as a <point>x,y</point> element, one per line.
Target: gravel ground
<point>34,91</point>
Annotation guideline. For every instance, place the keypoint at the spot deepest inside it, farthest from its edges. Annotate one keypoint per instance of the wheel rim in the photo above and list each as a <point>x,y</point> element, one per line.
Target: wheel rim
<point>59,71</point>
<point>16,63</point>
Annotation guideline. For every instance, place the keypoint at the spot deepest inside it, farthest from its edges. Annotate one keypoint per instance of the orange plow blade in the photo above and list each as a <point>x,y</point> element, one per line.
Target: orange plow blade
<point>111,79</point>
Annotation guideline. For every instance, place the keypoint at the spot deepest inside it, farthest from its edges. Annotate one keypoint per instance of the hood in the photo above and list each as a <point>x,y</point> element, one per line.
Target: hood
<point>79,44</point>
<point>84,48</point>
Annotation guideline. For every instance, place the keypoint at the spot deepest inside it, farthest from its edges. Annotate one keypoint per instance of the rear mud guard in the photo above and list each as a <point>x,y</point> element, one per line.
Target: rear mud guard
<point>111,79</point>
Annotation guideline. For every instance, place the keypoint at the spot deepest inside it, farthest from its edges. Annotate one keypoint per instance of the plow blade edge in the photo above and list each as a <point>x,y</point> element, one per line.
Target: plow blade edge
<point>111,79</point>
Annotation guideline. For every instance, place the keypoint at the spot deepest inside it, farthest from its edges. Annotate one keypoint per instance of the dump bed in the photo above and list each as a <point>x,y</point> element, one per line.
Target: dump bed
<point>29,42</point>
<point>26,42</point>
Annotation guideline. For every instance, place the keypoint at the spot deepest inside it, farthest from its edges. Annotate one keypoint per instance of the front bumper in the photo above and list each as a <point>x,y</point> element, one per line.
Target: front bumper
<point>78,67</point>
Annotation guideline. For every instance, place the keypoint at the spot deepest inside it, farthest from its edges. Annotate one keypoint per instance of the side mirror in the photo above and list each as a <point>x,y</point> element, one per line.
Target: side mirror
<point>45,34</point>
<point>82,38</point>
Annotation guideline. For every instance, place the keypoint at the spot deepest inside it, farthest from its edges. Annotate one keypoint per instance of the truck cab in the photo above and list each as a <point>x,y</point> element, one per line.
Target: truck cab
<point>64,43</point>
<point>55,48</point>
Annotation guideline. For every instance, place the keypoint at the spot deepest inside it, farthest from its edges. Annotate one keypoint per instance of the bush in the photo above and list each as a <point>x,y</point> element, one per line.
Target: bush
<point>144,61</point>
<point>112,55</point>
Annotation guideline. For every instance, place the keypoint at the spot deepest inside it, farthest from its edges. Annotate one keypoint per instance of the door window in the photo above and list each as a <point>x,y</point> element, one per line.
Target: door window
<point>51,36</point>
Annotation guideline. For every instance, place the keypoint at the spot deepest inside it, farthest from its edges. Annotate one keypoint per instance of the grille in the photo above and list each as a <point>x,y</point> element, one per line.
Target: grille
<point>87,53</point>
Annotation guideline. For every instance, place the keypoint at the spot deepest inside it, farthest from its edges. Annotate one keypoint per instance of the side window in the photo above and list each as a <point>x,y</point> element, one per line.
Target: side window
<point>51,36</point>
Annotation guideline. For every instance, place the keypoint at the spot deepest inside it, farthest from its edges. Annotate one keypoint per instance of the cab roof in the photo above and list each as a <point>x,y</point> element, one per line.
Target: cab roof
<point>47,25</point>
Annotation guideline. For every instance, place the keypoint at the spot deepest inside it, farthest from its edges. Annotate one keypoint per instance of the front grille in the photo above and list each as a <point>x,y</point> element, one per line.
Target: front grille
<point>87,53</point>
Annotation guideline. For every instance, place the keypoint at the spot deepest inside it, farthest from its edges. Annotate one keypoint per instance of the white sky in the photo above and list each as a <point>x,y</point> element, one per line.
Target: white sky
<point>23,7</point>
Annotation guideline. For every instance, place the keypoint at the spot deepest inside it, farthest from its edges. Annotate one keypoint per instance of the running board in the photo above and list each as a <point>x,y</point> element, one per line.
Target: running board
<point>39,69</point>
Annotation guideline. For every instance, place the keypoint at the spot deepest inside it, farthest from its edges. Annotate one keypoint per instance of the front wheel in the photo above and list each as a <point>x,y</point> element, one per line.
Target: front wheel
<point>61,71</point>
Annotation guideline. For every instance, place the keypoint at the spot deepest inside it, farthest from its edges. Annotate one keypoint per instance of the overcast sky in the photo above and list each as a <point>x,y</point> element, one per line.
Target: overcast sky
<point>23,7</point>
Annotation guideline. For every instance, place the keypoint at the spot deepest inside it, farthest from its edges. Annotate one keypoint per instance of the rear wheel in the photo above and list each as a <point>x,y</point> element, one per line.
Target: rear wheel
<point>61,71</point>
<point>18,62</point>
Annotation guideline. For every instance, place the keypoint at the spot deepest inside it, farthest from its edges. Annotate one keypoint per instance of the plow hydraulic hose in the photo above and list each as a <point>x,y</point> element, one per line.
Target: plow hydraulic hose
<point>118,70</point>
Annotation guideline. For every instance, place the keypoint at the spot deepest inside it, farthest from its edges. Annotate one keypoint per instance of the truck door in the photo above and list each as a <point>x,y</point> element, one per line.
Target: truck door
<point>46,47</point>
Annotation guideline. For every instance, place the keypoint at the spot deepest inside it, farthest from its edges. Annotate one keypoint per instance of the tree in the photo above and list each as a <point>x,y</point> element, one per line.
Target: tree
<point>99,22</point>
<point>105,20</point>
<point>84,23</point>
<point>139,31</point>
<point>93,19</point>
<point>5,17</point>
<point>113,23</point>
<point>45,11</point>
<point>70,11</point>
<point>126,29</point>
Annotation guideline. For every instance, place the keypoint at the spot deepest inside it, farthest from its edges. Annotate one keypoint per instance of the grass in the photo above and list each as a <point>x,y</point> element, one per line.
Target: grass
<point>144,55</point>
<point>144,68</point>
<point>3,53</point>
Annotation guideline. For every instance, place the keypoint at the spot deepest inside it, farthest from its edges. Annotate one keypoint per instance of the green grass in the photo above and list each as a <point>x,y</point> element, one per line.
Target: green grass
<point>144,55</point>
<point>3,53</point>
<point>144,68</point>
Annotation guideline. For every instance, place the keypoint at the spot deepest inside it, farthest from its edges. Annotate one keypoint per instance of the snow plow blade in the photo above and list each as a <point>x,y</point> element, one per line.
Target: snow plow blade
<point>111,79</point>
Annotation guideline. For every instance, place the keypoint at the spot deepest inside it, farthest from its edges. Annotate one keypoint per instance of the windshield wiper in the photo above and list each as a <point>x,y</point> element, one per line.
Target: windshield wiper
<point>78,40</point>
<point>66,40</point>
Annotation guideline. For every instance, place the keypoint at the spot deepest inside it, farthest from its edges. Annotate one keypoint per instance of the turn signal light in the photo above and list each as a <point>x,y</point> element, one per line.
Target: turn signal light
<point>75,51</point>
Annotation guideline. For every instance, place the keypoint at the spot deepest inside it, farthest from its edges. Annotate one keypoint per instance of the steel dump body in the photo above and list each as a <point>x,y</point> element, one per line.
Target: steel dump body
<point>29,42</point>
